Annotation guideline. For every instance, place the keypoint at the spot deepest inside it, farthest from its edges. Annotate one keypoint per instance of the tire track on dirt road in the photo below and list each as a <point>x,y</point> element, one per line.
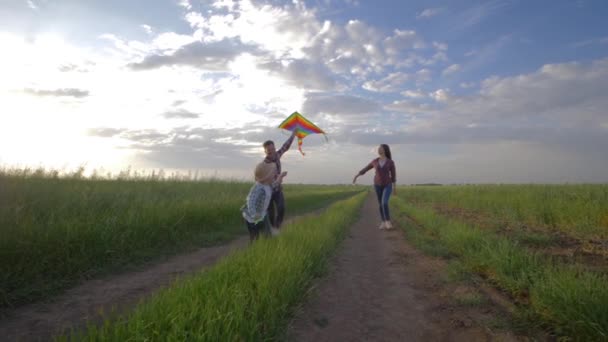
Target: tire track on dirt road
<point>379,288</point>
<point>84,303</point>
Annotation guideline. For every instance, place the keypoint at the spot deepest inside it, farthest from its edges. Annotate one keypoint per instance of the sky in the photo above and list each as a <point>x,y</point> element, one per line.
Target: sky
<point>499,91</point>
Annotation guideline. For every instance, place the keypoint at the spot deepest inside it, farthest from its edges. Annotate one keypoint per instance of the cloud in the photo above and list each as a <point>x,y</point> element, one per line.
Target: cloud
<point>185,4</point>
<point>180,114</point>
<point>452,69</point>
<point>477,13</point>
<point>393,82</point>
<point>441,95</point>
<point>467,85</point>
<point>559,106</point>
<point>296,44</point>
<point>430,12</point>
<point>440,46</point>
<point>207,56</point>
<point>281,30</point>
<point>105,132</point>
<point>146,28</point>
<point>423,76</point>
<point>64,92</point>
<point>564,92</point>
<point>409,107</point>
<point>194,147</point>
<point>303,74</point>
<point>403,39</point>
<point>593,41</point>
<point>416,94</point>
<point>32,5</point>
<point>341,105</point>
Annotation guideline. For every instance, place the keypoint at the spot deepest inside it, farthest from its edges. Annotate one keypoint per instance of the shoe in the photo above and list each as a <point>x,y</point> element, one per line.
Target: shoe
<point>274,231</point>
<point>382,225</point>
<point>388,225</point>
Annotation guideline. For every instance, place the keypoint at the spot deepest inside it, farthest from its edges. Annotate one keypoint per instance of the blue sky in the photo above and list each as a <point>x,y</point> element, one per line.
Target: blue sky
<point>463,91</point>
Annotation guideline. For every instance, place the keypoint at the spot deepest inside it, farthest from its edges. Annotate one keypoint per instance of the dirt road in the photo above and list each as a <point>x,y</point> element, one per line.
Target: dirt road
<point>72,309</point>
<point>379,288</point>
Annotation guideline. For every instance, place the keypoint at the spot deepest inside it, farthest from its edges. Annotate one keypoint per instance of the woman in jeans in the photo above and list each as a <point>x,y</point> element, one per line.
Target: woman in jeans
<point>384,182</point>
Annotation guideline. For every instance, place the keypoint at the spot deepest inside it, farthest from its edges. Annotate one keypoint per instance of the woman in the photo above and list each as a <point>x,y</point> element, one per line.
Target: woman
<point>384,182</point>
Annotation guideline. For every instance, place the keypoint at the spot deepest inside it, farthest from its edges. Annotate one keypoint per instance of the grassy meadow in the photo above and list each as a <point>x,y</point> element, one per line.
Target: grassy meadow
<point>529,241</point>
<point>580,211</point>
<point>248,296</point>
<point>56,231</point>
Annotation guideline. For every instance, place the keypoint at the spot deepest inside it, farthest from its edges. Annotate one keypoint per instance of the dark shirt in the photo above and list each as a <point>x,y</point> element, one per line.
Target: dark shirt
<point>384,174</point>
<point>276,158</point>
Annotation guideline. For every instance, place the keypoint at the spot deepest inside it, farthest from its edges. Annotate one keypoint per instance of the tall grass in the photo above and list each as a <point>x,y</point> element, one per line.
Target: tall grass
<point>246,297</point>
<point>572,301</point>
<point>579,210</point>
<point>56,231</point>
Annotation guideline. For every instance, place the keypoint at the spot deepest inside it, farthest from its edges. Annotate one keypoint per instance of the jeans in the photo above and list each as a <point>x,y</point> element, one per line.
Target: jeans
<point>384,193</point>
<point>276,209</point>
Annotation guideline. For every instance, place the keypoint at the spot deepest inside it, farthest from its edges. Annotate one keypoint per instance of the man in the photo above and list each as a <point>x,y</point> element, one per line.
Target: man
<point>276,211</point>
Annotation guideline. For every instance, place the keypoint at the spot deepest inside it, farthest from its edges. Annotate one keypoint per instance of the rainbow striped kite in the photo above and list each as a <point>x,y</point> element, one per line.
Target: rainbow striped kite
<point>298,123</point>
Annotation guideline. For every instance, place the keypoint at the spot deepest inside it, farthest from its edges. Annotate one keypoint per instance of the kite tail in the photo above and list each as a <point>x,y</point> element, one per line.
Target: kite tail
<point>300,146</point>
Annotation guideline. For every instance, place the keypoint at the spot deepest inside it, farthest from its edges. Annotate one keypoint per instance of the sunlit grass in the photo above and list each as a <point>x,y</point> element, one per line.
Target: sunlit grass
<point>578,210</point>
<point>57,230</point>
<point>248,296</point>
<point>565,298</point>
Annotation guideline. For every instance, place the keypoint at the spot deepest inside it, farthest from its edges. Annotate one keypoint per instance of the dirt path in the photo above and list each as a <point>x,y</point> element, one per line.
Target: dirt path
<point>72,309</point>
<point>379,288</point>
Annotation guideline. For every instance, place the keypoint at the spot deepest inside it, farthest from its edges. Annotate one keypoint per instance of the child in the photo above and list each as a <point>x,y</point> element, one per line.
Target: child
<point>256,206</point>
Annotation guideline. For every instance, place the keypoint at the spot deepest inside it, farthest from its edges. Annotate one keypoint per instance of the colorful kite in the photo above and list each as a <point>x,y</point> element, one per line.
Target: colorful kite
<point>298,123</point>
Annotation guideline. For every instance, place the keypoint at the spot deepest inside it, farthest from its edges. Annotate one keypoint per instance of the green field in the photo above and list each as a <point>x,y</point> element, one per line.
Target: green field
<point>57,231</point>
<point>248,296</point>
<point>544,246</point>
<point>530,241</point>
<point>580,211</point>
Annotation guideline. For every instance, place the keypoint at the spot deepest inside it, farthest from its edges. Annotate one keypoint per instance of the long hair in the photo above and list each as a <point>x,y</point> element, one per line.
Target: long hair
<point>387,151</point>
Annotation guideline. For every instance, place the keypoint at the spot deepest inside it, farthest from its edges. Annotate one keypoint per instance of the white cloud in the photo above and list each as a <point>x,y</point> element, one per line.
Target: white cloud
<point>32,5</point>
<point>440,95</point>
<point>440,46</point>
<point>283,31</point>
<point>208,56</point>
<point>452,69</point>
<point>146,28</point>
<point>415,94</point>
<point>339,105</point>
<point>467,85</point>
<point>65,92</point>
<point>409,107</point>
<point>403,39</point>
<point>560,106</point>
<point>185,4</point>
<point>593,41</point>
<point>430,12</point>
<point>393,82</point>
<point>423,76</point>
<point>567,91</point>
<point>303,74</point>
<point>477,13</point>
<point>180,114</point>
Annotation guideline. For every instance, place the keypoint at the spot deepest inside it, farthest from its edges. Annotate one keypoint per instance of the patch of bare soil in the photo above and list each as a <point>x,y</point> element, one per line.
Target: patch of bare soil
<point>379,288</point>
<point>87,302</point>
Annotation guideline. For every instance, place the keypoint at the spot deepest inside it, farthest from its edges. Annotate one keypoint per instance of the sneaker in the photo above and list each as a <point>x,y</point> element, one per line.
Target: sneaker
<point>274,231</point>
<point>382,225</point>
<point>388,225</point>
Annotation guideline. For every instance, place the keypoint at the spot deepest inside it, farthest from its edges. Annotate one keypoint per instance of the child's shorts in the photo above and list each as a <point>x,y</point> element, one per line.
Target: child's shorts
<point>256,229</point>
